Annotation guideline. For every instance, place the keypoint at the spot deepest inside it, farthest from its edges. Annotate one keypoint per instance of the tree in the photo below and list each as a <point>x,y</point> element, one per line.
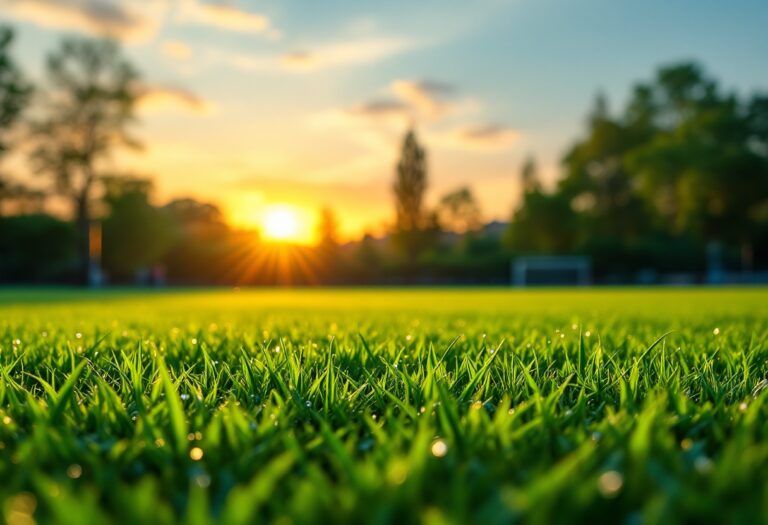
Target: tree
<point>409,188</point>
<point>459,211</point>
<point>136,234</point>
<point>597,182</point>
<point>14,95</point>
<point>89,107</point>
<point>705,169</point>
<point>529,176</point>
<point>328,229</point>
<point>203,249</point>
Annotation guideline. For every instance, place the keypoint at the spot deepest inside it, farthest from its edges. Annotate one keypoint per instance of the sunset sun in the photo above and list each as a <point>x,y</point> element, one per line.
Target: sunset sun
<point>282,223</point>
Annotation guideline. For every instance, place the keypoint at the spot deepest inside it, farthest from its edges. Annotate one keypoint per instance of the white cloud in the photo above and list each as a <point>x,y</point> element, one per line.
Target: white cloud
<point>414,101</point>
<point>134,21</point>
<point>161,99</point>
<point>223,15</point>
<point>177,50</point>
<point>434,107</point>
<point>353,52</point>
<point>478,137</point>
<point>321,57</point>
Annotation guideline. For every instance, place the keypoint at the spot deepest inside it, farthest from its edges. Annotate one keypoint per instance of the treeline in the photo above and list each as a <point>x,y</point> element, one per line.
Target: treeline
<point>679,173</point>
<point>676,182</point>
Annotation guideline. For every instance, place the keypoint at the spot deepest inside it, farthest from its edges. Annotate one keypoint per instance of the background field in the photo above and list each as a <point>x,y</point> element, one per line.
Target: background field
<point>387,405</point>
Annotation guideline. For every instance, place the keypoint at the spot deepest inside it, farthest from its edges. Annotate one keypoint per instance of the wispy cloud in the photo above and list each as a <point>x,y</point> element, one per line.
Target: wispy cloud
<point>414,101</point>
<point>223,15</point>
<point>353,52</point>
<point>330,55</point>
<point>177,50</point>
<point>161,99</point>
<point>134,21</point>
<point>481,137</point>
<point>448,119</point>
<point>429,97</point>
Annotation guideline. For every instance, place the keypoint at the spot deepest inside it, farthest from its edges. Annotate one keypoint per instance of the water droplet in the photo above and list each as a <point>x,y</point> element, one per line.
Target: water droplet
<point>703,465</point>
<point>439,448</point>
<point>74,471</point>
<point>609,483</point>
<point>202,480</point>
<point>196,454</point>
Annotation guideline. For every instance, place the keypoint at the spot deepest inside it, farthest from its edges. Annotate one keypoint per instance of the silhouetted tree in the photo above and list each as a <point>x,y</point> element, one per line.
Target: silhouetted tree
<point>14,95</point>
<point>136,235</point>
<point>36,248</point>
<point>529,176</point>
<point>409,188</point>
<point>597,182</point>
<point>328,227</point>
<point>704,170</point>
<point>89,106</point>
<point>203,250</point>
<point>459,211</point>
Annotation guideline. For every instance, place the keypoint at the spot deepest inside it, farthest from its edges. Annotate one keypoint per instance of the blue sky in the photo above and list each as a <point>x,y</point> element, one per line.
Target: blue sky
<point>257,103</point>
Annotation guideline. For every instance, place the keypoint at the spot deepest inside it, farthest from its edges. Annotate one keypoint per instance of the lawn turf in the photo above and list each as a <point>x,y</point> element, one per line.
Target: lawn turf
<point>381,406</point>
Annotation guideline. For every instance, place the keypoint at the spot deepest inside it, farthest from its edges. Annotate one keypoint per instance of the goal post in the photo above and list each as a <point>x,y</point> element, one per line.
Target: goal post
<point>551,270</point>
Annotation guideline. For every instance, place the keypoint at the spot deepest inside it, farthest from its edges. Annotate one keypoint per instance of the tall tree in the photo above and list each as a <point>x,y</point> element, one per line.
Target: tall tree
<point>14,95</point>
<point>409,188</point>
<point>89,107</point>
<point>328,229</point>
<point>543,222</point>
<point>529,176</point>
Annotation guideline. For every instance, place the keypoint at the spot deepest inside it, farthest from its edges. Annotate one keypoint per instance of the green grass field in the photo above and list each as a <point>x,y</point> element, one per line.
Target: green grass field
<point>382,406</point>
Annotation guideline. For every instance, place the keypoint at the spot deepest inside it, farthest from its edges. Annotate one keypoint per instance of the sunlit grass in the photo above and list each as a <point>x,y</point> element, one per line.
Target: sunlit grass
<point>299,406</point>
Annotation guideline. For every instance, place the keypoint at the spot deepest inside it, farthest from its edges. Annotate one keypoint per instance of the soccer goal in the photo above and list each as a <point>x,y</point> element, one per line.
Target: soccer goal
<point>552,271</point>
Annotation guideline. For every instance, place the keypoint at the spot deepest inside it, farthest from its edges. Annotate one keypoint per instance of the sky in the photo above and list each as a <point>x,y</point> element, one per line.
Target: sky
<point>258,104</point>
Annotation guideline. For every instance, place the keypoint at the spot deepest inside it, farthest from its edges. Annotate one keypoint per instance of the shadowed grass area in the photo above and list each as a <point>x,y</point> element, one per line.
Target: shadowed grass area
<point>435,406</point>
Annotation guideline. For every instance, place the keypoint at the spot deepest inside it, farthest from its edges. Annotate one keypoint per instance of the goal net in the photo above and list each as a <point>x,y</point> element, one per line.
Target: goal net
<point>551,271</point>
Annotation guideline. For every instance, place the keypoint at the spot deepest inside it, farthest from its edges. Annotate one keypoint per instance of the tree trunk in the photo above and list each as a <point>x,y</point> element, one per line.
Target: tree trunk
<point>82,221</point>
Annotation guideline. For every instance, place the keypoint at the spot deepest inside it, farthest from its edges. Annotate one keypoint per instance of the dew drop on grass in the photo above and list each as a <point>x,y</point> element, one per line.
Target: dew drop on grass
<point>439,448</point>
<point>703,465</point>
<point>308,403</point>
<point>74,471</point>
<point>609,483</point>
<point>716,331</point>
<point>184,397</point>
<point>196,453</point>
<point>202,480</point>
